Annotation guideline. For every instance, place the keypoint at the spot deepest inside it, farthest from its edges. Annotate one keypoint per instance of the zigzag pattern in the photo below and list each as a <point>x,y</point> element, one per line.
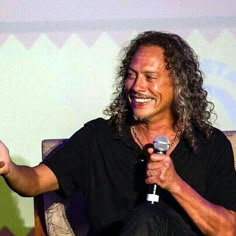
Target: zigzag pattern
<point>89,38</point>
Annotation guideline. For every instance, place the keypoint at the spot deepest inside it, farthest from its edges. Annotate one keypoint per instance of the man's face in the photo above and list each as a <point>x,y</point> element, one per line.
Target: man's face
<point>149,86</point>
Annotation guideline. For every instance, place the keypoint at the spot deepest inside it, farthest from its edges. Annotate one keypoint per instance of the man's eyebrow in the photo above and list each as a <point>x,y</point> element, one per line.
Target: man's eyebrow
<point>130,68</point>
<point>145,72</point>
<point>151,72</point>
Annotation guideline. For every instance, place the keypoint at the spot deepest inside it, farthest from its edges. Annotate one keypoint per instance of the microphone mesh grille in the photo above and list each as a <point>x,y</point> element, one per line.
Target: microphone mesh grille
<point>161,143</point>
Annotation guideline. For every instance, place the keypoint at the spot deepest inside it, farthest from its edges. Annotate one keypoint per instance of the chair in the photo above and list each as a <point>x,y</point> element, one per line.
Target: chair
<point>55,216</point>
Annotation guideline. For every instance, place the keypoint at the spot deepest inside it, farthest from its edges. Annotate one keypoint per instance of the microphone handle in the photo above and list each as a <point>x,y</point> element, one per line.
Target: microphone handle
<point>153,193</point>
<point>154,189</point>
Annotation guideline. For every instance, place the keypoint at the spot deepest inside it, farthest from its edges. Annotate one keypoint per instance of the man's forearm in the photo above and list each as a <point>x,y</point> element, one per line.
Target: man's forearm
<point>211,219</point>
<point>23,180</point>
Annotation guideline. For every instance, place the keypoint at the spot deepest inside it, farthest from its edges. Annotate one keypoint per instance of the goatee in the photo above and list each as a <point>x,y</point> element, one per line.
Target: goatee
<point>144,119</point>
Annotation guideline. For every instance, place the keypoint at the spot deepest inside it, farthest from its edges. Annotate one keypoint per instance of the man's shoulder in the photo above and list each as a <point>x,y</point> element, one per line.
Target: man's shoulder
<point>215,133</point>
<point>216,139</point>
<point>99,123</point>
<point>218,134</point>
<point>100,126</point>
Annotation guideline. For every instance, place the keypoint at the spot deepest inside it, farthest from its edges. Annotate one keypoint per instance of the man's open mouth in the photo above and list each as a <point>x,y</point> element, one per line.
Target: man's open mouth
<point>140,99</point>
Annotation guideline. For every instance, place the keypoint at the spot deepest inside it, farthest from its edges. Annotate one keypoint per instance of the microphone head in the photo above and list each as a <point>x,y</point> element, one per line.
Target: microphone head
<point>161,144</point>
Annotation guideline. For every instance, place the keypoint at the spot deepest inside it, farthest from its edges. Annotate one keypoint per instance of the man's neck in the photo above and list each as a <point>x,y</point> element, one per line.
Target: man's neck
<point>148,130</point>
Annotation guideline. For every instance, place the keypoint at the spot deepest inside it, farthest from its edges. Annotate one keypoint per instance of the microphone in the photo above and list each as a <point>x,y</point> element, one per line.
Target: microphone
<point>161,145</point>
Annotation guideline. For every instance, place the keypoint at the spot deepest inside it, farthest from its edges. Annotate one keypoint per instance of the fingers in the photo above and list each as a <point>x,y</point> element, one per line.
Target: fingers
<point>158,169</point>
<point>149,173</point>
<point>153,157</point>
<point>155,166</point>
<point>4,159</point>
<point>153,173</point>
<point>153,177</point>
<point>2,164</point>
<point>2,168</point>
<point>156,176</point>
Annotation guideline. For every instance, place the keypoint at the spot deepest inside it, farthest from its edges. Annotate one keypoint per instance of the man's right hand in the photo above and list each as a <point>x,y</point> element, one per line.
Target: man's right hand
<point>5,160</point>
<point>26,180</point>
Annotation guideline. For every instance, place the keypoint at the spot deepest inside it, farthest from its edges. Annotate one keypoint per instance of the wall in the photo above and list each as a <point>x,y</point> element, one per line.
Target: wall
<point>58,60</point>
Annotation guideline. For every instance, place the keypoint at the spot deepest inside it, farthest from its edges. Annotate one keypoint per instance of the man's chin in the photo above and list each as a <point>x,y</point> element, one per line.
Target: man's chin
<point>140,118</point>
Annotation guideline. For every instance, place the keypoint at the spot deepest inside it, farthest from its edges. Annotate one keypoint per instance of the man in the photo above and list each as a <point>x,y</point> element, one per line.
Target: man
<point>159,92</point>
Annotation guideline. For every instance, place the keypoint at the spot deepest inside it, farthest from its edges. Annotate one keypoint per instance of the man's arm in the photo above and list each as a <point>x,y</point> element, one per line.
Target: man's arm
<point>25,180</point>
<point>211,219</point>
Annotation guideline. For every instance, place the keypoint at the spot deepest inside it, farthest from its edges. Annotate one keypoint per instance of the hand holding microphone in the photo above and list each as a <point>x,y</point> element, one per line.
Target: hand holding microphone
<point>161,145</point>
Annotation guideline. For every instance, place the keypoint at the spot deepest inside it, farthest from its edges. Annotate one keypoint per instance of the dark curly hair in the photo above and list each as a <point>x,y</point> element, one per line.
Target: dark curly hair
<point>190,106</point>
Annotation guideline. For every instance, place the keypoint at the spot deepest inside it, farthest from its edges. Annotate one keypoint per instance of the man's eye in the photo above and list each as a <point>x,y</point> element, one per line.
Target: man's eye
<point>131,76</point>
<point>148,77</point>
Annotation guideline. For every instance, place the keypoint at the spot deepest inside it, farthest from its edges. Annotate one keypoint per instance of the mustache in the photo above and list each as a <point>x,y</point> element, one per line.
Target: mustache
<point>133,94</point>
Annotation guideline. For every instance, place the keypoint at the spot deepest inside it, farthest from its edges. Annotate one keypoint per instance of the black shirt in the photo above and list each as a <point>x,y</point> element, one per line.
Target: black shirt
<point>109,169</point>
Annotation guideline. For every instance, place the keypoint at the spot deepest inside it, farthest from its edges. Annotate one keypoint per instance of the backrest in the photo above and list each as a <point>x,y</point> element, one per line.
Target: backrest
<point>57,216</point>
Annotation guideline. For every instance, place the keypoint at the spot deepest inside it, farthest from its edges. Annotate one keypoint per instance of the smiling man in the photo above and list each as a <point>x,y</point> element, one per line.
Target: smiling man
<point>159,92</point>
<point>149,85</point>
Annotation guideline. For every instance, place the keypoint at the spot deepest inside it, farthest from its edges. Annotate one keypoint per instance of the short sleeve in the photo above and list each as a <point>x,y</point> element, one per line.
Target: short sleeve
<point>70,162</point>
<point>221,173</point>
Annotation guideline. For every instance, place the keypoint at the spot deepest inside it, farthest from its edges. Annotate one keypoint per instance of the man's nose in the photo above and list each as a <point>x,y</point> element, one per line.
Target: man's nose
<point>139,83</point>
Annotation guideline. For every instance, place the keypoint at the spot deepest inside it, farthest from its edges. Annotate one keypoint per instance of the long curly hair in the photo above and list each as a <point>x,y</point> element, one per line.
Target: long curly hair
<point>190,106</point>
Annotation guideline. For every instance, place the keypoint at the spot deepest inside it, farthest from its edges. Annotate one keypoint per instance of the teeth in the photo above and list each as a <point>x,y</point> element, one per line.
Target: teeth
<point>143,100</point>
